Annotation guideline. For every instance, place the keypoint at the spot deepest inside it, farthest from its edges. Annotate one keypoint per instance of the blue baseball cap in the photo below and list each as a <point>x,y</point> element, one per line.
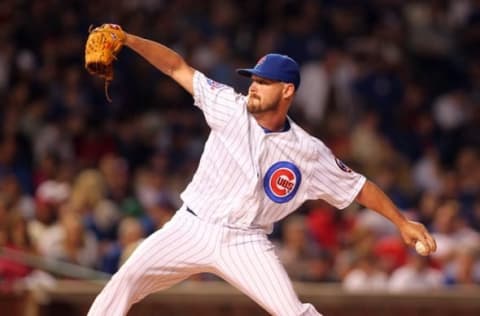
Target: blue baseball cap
<point>275,67</point>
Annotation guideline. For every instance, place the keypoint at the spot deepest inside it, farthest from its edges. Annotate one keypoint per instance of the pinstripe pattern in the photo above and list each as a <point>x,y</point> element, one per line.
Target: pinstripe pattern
<point>228,185</point>
<point>247,261</point>
<point>182,248</point>
<point>188,245</point>
<point>246,180</point>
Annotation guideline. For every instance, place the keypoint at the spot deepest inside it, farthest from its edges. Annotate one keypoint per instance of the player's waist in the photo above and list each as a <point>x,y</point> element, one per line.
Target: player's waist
<point>224,221</point>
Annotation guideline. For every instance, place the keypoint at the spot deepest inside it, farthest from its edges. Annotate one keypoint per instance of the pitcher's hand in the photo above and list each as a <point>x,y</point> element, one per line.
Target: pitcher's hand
<point>412,232</point>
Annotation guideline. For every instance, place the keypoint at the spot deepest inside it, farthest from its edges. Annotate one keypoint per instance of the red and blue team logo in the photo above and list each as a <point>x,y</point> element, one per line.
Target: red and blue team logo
<point>214,85</point>
<point>282,181</point>
<point>342,165</point>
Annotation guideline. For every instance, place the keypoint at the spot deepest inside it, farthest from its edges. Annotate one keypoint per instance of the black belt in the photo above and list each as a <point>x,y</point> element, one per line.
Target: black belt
<point>190,211</point>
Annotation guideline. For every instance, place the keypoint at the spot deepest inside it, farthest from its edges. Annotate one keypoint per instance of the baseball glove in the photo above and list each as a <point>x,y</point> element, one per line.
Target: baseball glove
<point>103,45</point>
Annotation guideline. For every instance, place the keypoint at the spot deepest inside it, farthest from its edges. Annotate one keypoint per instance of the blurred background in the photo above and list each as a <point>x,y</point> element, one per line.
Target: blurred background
<point>391,86</point>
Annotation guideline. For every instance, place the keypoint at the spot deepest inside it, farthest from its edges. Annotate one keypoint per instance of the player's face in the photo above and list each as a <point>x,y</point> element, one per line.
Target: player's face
<point>264,95</point>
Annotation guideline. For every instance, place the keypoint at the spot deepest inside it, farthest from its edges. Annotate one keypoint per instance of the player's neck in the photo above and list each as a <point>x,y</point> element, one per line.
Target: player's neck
<point>271,123</point>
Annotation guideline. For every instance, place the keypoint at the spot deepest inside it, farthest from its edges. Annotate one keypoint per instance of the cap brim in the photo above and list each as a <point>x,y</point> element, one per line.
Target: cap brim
<point>246,72</point>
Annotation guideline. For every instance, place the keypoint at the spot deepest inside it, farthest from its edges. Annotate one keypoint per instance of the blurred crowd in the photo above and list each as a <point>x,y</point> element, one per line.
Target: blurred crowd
<point>391,86</point>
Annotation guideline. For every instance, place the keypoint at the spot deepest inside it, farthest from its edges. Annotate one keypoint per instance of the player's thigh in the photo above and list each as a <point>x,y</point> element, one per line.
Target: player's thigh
<point>252,266</point>
<point>181,248</point>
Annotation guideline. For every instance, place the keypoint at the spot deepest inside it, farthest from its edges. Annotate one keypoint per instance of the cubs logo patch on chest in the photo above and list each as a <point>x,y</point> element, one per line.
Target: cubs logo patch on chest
<point>281,182</point>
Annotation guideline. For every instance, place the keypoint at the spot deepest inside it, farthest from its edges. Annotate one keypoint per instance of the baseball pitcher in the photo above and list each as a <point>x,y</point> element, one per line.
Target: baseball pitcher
<point>257,167</point>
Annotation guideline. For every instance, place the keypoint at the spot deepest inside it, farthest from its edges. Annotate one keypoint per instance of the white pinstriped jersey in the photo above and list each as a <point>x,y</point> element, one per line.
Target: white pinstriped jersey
<point>250,178</point>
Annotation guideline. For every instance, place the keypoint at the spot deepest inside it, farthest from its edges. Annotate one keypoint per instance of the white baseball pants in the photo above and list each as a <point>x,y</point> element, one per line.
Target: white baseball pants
<point>187,245</point>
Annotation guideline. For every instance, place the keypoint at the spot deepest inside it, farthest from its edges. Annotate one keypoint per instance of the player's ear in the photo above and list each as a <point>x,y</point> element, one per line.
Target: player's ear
<point>288,90</point>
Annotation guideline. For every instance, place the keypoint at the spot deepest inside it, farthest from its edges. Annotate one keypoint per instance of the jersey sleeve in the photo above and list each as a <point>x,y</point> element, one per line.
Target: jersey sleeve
<point>218,102</point>
<point>333,181</point>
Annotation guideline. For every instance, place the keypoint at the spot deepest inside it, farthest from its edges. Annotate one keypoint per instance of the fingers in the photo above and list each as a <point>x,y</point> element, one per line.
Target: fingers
<point>411,242</point>
<point>417,232</point>
<point>430,242</point>
<point>427,240</point>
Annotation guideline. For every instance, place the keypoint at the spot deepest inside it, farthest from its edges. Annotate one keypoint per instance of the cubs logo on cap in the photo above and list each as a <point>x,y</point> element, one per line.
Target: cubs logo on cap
<point>282,181</point>
<point>261,61</point>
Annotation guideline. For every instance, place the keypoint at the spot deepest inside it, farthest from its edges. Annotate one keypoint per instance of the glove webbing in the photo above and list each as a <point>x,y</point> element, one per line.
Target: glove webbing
<point>107,82</point>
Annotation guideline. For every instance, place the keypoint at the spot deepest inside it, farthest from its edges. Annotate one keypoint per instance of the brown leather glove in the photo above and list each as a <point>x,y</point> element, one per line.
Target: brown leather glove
<point>103,45</point>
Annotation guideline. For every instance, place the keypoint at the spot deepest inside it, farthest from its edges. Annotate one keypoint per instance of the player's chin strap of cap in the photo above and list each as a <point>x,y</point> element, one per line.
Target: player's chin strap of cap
<point>190,211</point>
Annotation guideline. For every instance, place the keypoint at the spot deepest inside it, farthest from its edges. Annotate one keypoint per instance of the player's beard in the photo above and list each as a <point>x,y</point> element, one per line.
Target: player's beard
<point>255,105</point>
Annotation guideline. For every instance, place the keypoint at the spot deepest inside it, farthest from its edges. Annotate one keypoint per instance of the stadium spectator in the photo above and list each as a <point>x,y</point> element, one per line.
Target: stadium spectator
<point>416,275</point>
<point>400,83</point>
